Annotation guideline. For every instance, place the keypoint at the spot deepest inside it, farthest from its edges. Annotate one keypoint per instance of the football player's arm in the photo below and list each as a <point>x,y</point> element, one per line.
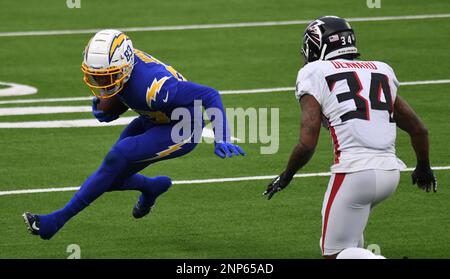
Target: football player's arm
<point>408,121</point>
<point>304,149</point>
<point>188,93</point>
<point>309,135</point>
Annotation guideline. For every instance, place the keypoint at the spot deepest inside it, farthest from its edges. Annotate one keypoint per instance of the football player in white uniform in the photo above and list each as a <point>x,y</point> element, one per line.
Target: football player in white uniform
<point>357,101</point>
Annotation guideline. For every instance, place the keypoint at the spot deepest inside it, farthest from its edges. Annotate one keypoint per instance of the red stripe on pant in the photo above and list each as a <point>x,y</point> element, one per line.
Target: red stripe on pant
<point>338,179</point>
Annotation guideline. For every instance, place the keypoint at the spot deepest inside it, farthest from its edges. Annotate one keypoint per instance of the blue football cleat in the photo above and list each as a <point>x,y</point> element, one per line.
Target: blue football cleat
<point>142,208</point>
<point>32,222</point>
<point>147,200</point>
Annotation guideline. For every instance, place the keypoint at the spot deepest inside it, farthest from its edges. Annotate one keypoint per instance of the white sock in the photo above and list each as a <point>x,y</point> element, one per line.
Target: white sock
<point>357,253</point>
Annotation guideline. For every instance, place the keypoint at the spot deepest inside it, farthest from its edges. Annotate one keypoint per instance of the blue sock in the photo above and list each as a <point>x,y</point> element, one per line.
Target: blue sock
<point>51,223</point>
<point>92,188</point>
<point>151,188</point>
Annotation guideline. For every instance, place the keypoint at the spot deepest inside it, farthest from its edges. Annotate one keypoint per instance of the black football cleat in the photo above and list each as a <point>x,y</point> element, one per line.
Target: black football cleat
<point>32,222</point>
<point>140,209</point>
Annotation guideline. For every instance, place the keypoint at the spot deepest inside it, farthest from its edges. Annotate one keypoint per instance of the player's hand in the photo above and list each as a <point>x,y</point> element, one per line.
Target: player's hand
<point>278,183</point>
<point>101,115</point>
<point>423,176</point>
<point>226,149</point>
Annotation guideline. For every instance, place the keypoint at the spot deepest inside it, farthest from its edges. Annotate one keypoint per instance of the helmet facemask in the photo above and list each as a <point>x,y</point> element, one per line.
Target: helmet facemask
<point>309,50</point>
<point>105,83</point>
<point>312,41</point>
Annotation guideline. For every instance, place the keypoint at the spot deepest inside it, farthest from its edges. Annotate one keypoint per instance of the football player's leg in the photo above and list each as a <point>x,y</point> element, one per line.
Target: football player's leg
<point>99,182</point>
<point>150,187</point>
<point>130,180</point>
<point>154,145</point>
<point>361,242</point>
<point>125,158</point>
<point>387,182</point>
<point>346,210</point>
<point>136,127</point>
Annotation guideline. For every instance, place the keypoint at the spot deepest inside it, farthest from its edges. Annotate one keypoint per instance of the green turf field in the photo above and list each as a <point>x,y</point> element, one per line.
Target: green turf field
<point>216,220</point>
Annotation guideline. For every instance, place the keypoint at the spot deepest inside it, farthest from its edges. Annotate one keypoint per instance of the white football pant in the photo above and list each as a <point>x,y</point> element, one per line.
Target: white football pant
<point>347,204</point>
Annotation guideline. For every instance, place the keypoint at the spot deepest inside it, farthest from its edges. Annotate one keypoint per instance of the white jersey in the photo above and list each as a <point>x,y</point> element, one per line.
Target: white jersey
<point>357,99</point>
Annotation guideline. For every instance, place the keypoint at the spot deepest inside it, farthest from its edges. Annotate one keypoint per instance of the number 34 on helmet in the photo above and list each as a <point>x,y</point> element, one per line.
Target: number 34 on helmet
<point>108,62</point>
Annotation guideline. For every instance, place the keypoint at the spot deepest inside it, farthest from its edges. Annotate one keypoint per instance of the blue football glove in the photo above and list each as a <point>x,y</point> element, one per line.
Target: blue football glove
<point>100,114</point>
<point>226,149</point>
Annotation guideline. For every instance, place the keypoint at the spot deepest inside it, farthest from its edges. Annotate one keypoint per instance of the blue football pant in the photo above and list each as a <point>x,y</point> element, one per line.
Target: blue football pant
<point>141,143</point>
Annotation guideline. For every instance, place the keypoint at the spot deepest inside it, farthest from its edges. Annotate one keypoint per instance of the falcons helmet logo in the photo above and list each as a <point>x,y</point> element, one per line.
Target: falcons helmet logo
<point>313,33</point>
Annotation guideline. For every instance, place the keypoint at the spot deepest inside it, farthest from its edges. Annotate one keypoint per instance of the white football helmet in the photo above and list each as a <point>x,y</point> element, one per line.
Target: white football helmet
<point>108,62</point>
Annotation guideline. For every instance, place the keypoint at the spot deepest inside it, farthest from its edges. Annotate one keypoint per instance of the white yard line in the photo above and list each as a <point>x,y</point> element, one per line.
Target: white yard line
<point>43,110</point>
<point>14,89</point>
<point>222,92</point>
<point>215,26</point>
<point>195,181</point>
<point>46,100</point>
<point>259,90</point>
<point>285,89</point>
<point>72,123</point>
<point>424,82</point>
<point>77,123</point>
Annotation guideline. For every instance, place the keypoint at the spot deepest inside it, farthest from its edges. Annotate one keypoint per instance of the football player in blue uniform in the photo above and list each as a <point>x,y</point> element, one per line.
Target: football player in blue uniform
<point>114,69</point>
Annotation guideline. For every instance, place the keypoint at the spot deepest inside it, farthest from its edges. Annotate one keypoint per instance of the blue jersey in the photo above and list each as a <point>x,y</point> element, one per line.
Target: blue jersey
<point>155,89</point>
